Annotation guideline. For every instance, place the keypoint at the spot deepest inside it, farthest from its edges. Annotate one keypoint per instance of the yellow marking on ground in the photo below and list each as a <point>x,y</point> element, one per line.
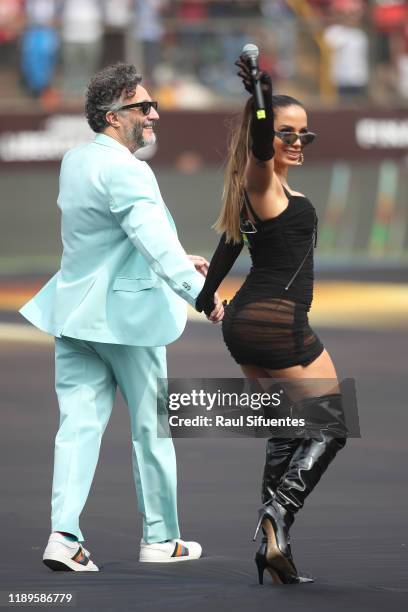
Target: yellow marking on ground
<point>360,304</point>
<point>14,295</point>
<point>348,304</point>
<point>19,332</point>
<point>339,304</point>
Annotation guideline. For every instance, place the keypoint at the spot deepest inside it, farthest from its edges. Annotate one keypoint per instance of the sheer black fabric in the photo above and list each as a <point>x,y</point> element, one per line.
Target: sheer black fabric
<point>273,333</point>
<point>266,323</point>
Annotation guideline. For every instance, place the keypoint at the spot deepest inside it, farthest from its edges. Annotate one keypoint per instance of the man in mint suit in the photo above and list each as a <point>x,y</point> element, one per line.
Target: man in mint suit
<point>118,299</point>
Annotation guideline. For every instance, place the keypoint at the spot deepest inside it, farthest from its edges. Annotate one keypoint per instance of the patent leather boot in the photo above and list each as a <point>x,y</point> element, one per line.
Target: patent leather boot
<point>308,463</point>
<point>275,554</point>
<point>279,452</point>
<point>314,455</point>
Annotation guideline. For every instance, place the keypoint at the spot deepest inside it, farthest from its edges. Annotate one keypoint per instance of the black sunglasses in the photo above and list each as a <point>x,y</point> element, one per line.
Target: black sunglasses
<point>246,226</point>
<point>146,105</point>
<point>289,138</point>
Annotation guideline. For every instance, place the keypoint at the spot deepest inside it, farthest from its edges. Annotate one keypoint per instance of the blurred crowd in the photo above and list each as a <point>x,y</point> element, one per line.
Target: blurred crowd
<point>355,49</point>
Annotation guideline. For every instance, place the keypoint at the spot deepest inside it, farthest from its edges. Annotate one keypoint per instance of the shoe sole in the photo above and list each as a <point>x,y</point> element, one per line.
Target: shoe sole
<point>171,560</point>
<point>58,565</point>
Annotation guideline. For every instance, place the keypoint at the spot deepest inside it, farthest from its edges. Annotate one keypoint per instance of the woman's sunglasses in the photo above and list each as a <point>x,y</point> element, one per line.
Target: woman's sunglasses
<point>145,106</point>
<point>289,138</point>
<point>246,226</point>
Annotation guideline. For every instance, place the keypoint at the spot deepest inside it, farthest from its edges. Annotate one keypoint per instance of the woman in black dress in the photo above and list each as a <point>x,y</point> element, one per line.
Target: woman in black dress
<point>265,326</point>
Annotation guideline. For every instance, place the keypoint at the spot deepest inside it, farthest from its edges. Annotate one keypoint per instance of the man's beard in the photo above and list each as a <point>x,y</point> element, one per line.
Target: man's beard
<point>138,138</point>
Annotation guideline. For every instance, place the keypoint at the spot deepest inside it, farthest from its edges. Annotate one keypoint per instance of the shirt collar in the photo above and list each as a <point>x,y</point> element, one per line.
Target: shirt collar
<point>108,141</point>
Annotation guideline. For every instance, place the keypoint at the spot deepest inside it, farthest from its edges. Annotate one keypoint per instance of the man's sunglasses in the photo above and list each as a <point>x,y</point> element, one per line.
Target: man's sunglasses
<point>289,138</point>
<point>146,105</point>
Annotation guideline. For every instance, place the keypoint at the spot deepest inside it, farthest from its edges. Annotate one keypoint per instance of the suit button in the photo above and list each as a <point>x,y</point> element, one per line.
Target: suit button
<point>187,286</point>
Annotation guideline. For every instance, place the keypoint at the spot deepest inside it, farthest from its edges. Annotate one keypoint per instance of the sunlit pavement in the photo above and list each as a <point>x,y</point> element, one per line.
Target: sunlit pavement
<point>351,533</point>
<point>336,304</point>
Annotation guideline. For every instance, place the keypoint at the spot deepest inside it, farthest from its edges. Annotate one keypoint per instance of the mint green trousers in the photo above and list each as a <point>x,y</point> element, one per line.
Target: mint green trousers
<point>87,375</point>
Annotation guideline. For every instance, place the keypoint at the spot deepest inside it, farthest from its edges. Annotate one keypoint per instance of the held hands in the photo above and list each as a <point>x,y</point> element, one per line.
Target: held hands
<point>200,263</point>
<point>217,315</point>
<point>245,75</point>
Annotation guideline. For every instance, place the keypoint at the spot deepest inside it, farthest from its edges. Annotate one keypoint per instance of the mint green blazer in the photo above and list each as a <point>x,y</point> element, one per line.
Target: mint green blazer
<point>124,276</point>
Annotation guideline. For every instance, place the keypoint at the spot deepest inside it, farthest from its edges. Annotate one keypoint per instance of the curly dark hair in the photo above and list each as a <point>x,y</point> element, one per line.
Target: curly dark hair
<point>107,88</point>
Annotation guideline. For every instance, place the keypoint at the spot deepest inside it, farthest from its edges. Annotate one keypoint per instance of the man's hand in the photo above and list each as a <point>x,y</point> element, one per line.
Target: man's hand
<point>217,314</point>
<point>200,263</point>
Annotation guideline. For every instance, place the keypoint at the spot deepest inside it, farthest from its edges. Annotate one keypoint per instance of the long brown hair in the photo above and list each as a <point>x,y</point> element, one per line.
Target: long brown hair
<point>238,153</point>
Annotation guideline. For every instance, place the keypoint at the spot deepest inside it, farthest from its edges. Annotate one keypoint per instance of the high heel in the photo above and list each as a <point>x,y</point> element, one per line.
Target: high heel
<point>309,461</point>
<point>275,553</point>
<point>281,519</point>
<point>262,565</point>
<point>258,526</point>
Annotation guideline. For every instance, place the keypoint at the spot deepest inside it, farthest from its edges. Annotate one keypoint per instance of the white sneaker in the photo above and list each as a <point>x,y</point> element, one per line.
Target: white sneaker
<point>63,555</point>
<point>167,552</point>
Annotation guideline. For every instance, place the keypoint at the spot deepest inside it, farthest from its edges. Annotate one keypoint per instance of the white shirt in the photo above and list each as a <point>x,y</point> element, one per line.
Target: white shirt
<point>350,55</point>
<point>82,21</point>
<point>117,13</point>
<point>41,12</point>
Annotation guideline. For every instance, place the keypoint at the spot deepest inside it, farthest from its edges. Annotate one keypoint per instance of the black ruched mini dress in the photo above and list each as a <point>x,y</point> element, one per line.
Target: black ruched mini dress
<point>266,323</point>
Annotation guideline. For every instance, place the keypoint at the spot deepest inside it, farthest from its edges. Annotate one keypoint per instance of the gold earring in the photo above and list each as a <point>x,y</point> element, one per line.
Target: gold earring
<point>301,159</point>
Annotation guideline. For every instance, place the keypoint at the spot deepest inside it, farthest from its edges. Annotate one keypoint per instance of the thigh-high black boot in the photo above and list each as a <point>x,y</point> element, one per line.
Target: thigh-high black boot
<point>308,463</point>
<point>279,452</point>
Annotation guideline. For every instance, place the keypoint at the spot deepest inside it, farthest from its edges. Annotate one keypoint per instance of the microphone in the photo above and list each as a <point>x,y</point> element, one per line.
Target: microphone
<point>251,53</point>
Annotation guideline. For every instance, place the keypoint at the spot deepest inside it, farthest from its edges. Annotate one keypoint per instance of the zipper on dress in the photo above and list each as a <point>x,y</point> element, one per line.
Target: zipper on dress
<point>314,239</point>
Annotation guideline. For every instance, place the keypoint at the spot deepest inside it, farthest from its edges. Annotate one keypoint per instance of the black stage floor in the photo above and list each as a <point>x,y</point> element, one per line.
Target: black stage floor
<point>351,534</point>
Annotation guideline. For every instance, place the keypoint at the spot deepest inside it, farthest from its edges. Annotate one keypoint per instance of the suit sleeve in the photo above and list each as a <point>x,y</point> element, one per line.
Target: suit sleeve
<point>134,203</point>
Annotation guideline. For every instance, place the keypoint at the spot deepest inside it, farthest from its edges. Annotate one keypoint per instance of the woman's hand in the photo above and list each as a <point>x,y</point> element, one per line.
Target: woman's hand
<point>245,75</point>
<point>217,314</point>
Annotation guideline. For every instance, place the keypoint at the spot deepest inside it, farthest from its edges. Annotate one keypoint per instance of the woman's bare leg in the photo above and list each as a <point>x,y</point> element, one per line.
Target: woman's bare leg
<point>316,378</point>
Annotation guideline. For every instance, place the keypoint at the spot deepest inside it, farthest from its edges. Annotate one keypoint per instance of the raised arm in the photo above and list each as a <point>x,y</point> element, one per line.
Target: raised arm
<point>221,263</point>
<point>259,172</point>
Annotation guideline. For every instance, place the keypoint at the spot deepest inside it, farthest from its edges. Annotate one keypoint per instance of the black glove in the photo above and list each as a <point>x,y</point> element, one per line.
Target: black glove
<point>247,79</point>
<point>262,130</point>
<point>221,263</point>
